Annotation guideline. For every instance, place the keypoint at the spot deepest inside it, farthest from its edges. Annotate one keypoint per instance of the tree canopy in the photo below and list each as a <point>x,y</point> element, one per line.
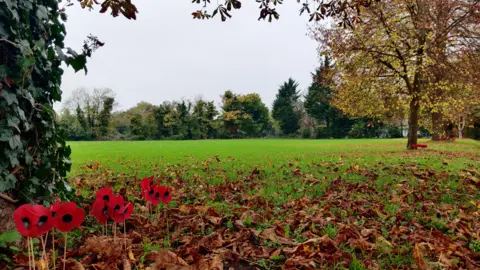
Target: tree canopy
<point>396,56</point>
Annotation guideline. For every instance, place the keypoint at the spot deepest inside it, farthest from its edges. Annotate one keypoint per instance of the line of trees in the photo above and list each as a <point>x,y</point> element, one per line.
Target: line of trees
<point>315,114</point>
<point>91,115</point>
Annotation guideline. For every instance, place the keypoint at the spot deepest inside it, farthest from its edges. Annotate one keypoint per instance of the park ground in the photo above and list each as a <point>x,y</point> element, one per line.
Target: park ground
<point>268,204</point>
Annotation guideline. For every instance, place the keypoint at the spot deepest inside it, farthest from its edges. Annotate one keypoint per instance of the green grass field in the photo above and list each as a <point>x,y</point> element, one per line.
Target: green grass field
<point>140,156</point>
<point>368,202</point>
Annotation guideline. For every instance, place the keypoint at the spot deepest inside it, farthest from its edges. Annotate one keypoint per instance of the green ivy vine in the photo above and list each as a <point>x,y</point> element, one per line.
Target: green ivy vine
<point>34,158</point>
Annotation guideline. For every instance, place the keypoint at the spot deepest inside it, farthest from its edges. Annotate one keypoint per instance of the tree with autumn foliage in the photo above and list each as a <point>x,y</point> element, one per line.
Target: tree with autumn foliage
<point>387,60</point>
<point>244,115</point>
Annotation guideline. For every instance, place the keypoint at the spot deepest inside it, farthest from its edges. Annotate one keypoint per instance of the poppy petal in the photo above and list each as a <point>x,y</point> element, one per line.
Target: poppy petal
<point>78,217</point>
<point>127,211</point>
<point>45,220</point>
<point>25,219</point>
<point>105,194</point>
<point>115,204</point>
<point>54,208</point>
<point>69,217</point>
<point>98,211</point>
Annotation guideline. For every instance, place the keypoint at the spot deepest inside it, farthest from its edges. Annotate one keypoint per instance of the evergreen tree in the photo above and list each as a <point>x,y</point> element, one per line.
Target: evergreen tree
<point>284,107</point>
<point>318,105</point>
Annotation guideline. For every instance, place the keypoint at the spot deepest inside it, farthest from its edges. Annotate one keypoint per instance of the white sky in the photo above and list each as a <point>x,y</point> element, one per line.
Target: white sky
<point>165,55</point>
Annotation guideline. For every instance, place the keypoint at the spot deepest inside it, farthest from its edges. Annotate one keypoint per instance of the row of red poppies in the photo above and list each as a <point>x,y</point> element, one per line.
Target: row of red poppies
<point>36,220</point>
<point>107,205</point>
<point>154,193</point>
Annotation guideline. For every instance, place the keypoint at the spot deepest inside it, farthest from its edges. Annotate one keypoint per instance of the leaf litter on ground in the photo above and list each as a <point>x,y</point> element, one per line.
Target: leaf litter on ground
<point>297,215</point>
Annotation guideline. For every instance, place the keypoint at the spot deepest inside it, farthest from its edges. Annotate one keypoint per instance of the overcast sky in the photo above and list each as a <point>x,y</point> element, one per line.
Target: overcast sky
<point>165,55</point>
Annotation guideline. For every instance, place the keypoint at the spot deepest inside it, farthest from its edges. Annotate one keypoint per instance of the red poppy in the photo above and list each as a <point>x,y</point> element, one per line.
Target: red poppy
<point>54,208</point>
<point>105,194</point>
<point>127,210</point>
<point>154,196</point>
<point>100,211</point>
<point>26,220</point>
<point>146,185</point>
<point>69,216</point>
<point>115,204</point>
<point>165,194</point>
<point>45,219</point>
<point>123,213</point>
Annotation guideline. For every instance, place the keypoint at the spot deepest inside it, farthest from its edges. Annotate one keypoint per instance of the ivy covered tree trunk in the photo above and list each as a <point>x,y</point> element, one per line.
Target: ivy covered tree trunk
<point>413,122</point>
<point>34,158</point>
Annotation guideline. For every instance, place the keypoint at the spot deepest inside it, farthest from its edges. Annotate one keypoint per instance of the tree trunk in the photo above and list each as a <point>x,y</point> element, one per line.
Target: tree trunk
<point>413,122</point>
<point>437,126</point>
<point>313,127</point>
<point>417,87</point>
<point>461,126</point>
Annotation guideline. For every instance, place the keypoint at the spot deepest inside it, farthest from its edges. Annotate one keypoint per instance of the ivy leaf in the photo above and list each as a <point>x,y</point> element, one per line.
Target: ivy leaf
<point>28,158</point>
<point>78,63</point>
<point>15,14</point>
<point>8,3</point>
<point>13,122</point>
<point>15,142</point>
<point>42,12</point>
<point>35,181</point>
<point>60,53</point>
<point>6,135</point>
<point>25,47</point>
<point>9,97</point>
<point>21,113</point>
<point>9,183</point>
<point>27,62</point>
<point>72,52</point>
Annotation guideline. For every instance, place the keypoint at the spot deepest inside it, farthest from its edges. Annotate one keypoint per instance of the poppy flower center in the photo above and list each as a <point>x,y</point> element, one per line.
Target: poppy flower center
<point>54,214</point>
<point>106,198</point>
<point>166,193</point>
<point>105,210</point>
<point>151,192</point>
<point>26,222</point>
<point>42,220</point>
<point>67,218</point>
<point>117,207</point>
<point>157,195</point>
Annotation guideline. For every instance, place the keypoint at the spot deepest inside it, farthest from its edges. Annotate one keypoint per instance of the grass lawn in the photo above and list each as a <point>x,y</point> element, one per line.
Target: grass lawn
<point>352,204</point>
<point>140,156</point>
